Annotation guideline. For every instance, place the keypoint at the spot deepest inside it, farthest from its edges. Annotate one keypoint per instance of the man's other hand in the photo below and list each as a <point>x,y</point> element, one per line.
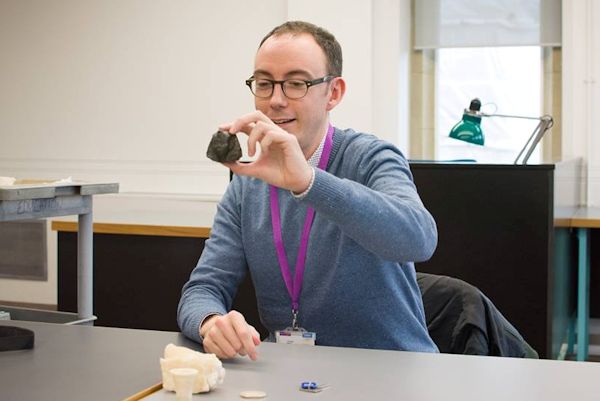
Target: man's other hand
<point>229,335</point>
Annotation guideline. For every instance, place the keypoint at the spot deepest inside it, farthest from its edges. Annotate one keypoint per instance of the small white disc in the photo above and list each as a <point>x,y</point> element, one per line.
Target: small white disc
<point>253,394</point>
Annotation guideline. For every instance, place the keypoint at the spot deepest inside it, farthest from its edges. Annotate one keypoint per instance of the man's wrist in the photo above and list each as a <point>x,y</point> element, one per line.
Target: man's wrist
<point>207,323</point>
<point>302,194</point>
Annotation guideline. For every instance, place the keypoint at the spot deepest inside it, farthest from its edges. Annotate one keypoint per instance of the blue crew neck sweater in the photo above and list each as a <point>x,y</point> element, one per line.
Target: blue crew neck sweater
<point>359,287</point>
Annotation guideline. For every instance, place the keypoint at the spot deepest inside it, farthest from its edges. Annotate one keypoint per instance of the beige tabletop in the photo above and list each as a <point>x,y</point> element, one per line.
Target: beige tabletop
<point>586,217</point>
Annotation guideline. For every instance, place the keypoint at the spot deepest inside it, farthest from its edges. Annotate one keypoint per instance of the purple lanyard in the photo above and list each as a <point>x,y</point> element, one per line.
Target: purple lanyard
<point>294,287</point>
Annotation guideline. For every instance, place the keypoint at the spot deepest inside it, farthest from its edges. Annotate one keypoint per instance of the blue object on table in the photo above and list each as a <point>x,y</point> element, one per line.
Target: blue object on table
<point>309,386</point>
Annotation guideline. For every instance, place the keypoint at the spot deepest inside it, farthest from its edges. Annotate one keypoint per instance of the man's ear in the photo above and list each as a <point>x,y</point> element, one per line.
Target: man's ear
<point>338,88</point>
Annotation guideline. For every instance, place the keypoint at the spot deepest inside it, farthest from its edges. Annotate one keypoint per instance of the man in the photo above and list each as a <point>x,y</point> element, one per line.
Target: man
<point>327,222</point>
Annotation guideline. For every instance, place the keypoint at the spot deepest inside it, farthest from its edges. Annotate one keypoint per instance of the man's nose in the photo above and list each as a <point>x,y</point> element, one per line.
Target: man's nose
<point>278,98</point>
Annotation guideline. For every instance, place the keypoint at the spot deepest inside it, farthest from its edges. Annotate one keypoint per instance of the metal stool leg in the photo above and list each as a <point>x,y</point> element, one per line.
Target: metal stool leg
<point>583,293</point>
<point>85,270</point>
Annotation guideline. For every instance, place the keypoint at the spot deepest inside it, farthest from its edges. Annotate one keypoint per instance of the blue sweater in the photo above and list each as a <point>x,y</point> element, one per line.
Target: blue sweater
<point>359,287</point>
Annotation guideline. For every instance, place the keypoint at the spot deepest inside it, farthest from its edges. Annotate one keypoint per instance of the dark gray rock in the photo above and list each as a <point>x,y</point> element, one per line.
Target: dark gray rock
<point>224,147</point>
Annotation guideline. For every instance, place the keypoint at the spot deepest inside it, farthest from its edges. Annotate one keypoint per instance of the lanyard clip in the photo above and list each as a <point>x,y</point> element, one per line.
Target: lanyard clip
<point>295,319</point>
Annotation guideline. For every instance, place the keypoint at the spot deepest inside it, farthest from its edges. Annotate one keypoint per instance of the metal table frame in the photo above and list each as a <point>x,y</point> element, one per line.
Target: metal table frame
<point>585,219</point>
<point>34,201</point>
<point>583,293</point>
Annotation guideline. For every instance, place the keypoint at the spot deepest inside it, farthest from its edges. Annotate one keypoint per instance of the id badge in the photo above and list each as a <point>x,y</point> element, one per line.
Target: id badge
<point>298,336</point>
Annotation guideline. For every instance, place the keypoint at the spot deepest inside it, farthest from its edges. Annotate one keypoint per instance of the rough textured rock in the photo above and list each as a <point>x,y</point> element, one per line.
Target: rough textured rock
<point>224,147</point>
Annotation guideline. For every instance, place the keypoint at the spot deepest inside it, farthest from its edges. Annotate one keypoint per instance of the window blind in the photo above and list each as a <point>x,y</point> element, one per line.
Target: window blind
<point>487,23</point>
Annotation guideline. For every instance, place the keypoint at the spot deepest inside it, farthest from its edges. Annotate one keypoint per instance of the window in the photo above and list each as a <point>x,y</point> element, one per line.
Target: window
<point>507,80</point>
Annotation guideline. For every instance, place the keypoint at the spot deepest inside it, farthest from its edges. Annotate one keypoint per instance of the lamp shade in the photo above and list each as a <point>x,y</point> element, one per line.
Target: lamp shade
<point>469,128</point>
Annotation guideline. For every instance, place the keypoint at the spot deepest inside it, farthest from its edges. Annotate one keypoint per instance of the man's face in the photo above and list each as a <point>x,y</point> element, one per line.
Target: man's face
<point>295,57</point>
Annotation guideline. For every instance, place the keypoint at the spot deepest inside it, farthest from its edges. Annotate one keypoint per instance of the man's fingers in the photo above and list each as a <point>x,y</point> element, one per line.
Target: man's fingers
<point>265,143</point>
<point>242,168</point>
<point>225,326</point>
<point>255,336</point>
<point>231,335</point>
<point>245,333</point>
<point>227,350</point>
<point>211,347</point>
<point>255,135</point>
<point>216,337</point>
<point>266,134</point>
<point>225,127</point>
<point>246,122</point>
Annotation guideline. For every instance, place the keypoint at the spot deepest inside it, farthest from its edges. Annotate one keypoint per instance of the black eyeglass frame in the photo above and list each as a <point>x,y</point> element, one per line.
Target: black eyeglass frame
<point>308,82</point>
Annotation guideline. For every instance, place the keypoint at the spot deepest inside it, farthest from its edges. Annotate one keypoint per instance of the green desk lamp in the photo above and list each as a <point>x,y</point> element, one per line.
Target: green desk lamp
<point>469,129</point>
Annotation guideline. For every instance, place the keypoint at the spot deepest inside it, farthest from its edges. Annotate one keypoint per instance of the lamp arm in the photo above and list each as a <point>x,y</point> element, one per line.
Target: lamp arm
<point>533,135</point>
<point>509,116</point>
<point>545,124</point>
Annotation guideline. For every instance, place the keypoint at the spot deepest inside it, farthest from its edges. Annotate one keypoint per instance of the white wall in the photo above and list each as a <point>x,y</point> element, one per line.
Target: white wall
<point>125,90</point>
<point>581,91</point>
<point>131,90</point>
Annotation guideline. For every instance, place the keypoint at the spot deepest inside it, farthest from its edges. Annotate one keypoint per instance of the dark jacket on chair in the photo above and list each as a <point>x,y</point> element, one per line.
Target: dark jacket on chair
<point>462,320</point>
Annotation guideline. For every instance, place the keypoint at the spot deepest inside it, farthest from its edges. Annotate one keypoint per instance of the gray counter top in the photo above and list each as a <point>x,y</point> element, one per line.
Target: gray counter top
<point>97,363</point>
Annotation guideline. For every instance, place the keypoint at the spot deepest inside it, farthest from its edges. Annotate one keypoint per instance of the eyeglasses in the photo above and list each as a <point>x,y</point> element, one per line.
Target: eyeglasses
<point>292,88</point>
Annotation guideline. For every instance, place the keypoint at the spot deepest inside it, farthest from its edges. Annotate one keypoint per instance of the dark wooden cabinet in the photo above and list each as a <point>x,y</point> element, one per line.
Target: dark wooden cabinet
<point>137,278</point>
<point>496,227</point>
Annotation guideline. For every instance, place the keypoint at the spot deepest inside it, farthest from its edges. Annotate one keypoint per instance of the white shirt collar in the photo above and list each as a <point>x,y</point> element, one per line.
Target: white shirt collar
<point>313,161</point>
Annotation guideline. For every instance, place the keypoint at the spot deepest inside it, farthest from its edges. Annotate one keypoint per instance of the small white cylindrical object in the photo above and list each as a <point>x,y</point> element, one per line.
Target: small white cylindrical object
<point>7,181</point>
<point>184,382</point>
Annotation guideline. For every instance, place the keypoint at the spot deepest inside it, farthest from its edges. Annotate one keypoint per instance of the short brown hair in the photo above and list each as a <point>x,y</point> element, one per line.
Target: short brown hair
<point>326,41</point>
